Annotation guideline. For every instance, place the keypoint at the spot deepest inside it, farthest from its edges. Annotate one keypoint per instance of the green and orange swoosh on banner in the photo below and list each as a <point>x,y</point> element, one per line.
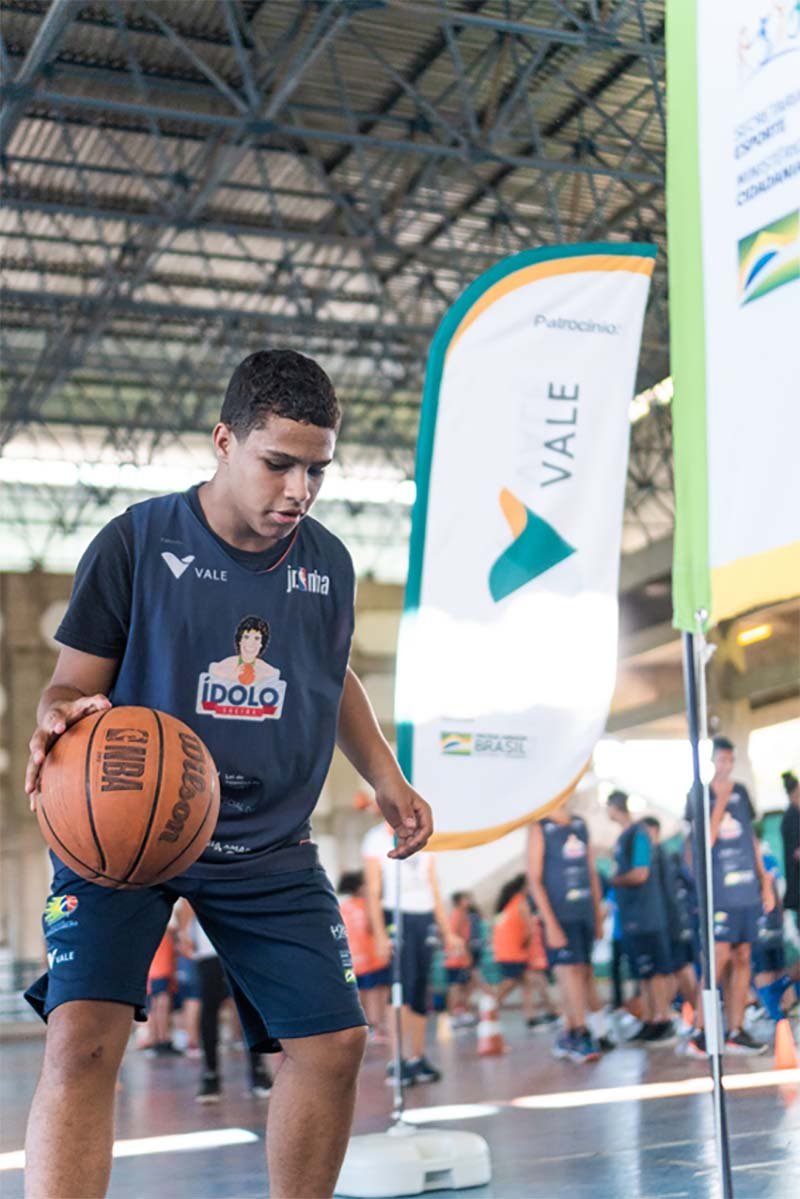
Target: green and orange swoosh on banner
<point>536,548</point>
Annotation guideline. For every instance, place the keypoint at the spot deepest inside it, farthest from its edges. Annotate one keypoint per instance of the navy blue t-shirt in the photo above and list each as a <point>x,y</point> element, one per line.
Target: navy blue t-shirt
<point>566,873</point>
<point>250,650</point>
<point>641,908</point>
<point>733,855</point>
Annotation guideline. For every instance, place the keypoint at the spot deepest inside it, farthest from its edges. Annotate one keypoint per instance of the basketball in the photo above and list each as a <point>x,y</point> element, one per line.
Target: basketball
<point>129,797</point>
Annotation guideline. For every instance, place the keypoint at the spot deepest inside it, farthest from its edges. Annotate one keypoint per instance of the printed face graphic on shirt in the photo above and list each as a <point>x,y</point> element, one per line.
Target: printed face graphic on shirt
<point>730,828</point>
<point>243,686</point>
<point>574,848</point>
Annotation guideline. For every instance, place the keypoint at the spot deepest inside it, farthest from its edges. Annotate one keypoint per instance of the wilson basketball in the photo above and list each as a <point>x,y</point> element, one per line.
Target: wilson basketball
<point>128,797</point>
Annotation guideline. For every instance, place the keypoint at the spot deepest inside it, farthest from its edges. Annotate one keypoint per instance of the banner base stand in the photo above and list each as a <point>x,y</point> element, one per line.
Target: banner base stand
<point>406,1161</point>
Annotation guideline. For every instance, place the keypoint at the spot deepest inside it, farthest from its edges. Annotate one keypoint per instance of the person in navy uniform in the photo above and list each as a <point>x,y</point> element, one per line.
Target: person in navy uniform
<point>790,836</point>
<point>160,597</point>
<point>643,919</point>
<point>742,894</point>
<point>770,978</point>
<point>566,890</point>
<point>676,890</point>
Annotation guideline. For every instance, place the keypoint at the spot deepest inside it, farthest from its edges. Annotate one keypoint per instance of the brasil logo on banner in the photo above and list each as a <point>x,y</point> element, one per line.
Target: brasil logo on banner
<point>508,643</point>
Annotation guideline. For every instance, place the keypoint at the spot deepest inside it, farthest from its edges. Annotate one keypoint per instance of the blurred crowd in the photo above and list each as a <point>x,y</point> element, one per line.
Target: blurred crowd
<point>600,952</point>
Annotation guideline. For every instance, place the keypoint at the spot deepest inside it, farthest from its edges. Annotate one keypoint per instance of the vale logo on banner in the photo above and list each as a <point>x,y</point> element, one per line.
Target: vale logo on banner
<point>536,548</point>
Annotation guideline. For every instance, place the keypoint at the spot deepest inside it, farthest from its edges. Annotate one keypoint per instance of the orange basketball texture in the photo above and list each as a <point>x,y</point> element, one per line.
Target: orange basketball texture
<point>128,797</point>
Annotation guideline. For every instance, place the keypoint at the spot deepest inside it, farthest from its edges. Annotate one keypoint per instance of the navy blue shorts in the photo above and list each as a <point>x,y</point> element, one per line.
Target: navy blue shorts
<point>512,969</point>
<point>416,955</point>
<point>578,949</point>
<point>188,981</point>
<point>280,938</point>
<point>458,975</point>
<point>648,954</point>
<point>682,954</point>
<point>158,986</point>
<point>768,959</point>
<point>375,978</point>
<point>738,926</point>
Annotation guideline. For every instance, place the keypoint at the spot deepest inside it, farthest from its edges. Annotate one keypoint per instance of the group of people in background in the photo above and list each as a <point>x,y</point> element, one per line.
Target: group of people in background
<point>186,990</point>
<point>543,933</point>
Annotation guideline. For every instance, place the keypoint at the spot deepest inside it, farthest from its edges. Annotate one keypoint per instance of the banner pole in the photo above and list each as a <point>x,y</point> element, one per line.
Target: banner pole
<point>398,1105</point>
<point>694,663</point>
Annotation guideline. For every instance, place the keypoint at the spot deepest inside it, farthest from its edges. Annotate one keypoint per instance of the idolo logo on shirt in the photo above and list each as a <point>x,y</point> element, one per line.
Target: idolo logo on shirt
<point>535,549</point>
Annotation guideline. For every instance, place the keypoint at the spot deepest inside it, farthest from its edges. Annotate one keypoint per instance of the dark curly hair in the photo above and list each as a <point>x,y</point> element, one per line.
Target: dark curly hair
<point>513,887</point>
<point>279,383</point>
<point>351,882</point>
<point>252,624</point>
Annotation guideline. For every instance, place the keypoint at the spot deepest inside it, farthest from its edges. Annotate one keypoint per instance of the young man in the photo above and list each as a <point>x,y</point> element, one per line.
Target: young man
<point>740,886</point>
<point>164,591</point>
<point>770,978</point>
<point>790,835</point>
<point>423,911</point>
<point>566,891</point>
<point>643,919</point>
<point>680,926</point>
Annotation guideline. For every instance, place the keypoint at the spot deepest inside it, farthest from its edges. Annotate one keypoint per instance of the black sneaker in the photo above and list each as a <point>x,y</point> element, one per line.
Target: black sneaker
<point>408,1076</point>
<point>696,1045</point>
<point>260,1083</point>
<point>167,1049</point>
<point>662,1033</point>
<point>606,1044</point>
<point>642,1033</point>
<point>739,1041</point>
<point>423,1070</point>
<point>209,1089</point>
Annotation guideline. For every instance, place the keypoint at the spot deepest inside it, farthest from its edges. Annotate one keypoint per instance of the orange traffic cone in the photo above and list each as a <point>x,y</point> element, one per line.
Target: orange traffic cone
<point>687,1014</point>
<point>490,1032</point>
<point>785,1048</point>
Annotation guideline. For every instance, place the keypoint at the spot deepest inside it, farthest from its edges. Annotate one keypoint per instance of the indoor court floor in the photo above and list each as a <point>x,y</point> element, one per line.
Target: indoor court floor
<point>583,1134</point>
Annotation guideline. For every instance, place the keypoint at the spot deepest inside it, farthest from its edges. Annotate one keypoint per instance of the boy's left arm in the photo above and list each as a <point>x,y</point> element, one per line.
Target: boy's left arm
<point>364,745</point>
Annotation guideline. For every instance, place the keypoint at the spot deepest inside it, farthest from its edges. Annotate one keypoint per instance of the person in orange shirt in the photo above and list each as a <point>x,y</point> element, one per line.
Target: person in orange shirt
<point>372,971</point>
<point>458,962</point>
<point>161,986</point>
<point>511,941</point>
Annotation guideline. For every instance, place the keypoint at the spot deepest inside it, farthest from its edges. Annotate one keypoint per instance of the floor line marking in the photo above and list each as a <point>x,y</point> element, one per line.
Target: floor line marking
<point>181,1142</point>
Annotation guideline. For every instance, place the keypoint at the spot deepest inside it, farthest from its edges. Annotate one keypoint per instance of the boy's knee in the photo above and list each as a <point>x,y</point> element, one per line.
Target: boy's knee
<point>84,1044</point>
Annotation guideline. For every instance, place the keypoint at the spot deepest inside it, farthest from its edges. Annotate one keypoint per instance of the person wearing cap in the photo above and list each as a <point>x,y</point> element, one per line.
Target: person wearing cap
<point>643,916</point>
<point>742,892</point>
<point>790,834</point>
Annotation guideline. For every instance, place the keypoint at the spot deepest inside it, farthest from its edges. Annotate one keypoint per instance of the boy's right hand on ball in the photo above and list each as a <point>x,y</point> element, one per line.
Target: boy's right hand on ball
<point>56,720</point>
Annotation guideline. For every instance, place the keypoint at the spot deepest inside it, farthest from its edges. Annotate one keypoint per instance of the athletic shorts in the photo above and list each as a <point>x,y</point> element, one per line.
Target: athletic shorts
<point>187,980</point>
<point>648,954</point>
<point>458,975</point>
<point>375,978</point>
<point>280,938</point>
<point>578,949</point>
<point>512,969</point>
<point>416,955</point>
<point>768,959</point>
<point>682,954</point>
<point>159,986</point>
<point>738,926</point>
